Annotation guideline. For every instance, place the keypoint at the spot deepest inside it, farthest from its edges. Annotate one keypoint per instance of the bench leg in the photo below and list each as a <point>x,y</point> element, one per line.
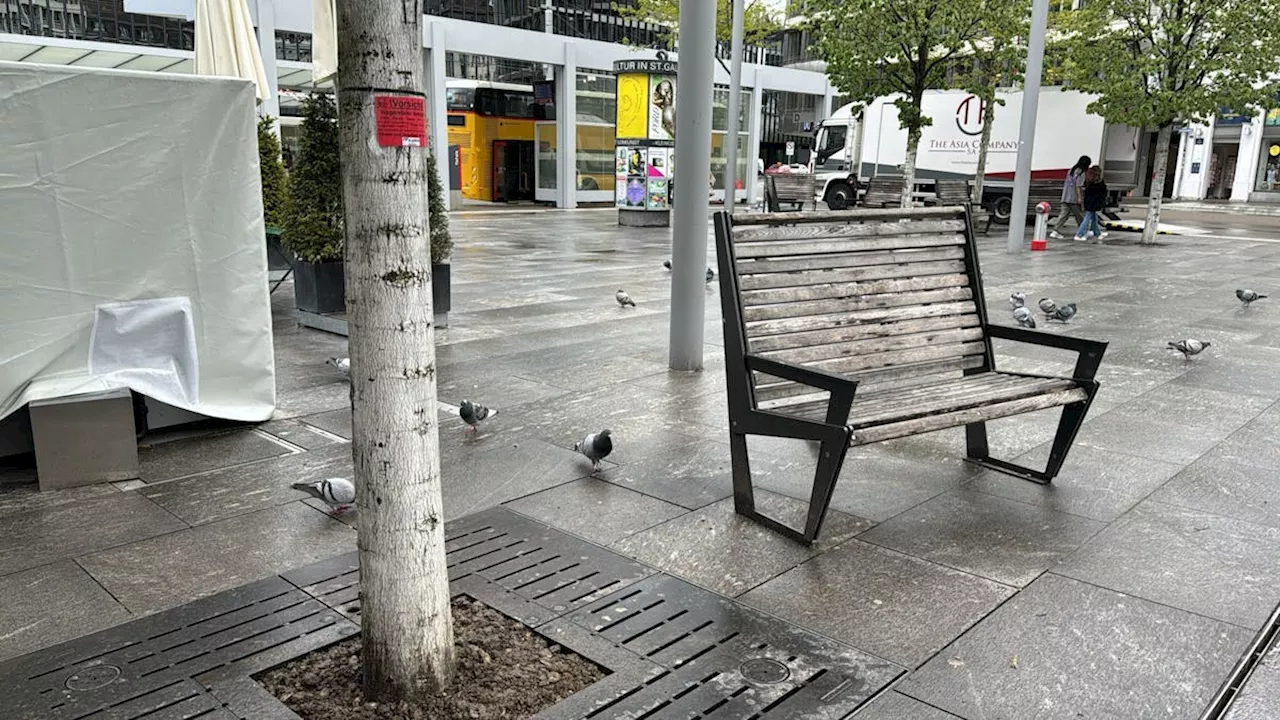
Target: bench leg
<point>831,456</point>
<point>1068,426</point>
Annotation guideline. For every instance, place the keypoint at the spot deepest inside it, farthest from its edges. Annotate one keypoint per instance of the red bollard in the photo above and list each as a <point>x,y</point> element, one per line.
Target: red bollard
<point>1039,238</point>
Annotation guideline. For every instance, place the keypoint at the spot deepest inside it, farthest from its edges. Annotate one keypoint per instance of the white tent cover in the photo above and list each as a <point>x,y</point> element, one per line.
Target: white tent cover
<point>132,240</point>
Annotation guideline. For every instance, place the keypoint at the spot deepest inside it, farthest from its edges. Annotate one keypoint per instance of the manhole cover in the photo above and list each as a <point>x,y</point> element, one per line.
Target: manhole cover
<point>92,678</point>
<point>764,671</point>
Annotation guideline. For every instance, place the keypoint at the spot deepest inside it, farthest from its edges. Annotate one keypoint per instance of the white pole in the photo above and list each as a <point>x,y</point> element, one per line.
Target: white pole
<point>1027,133</point>
<point>693,149</point>
<point>735,109</point>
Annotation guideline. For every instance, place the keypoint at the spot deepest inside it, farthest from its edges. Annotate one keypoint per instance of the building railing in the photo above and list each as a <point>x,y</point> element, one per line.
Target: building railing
<point>94,20</point>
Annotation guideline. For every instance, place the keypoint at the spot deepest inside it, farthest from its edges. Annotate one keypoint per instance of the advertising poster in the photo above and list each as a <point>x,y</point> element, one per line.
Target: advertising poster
<point>633,101</point>
<point>637,177</point>
<point>658,162</point>
<point>620,176</point>
<point>662,107</point>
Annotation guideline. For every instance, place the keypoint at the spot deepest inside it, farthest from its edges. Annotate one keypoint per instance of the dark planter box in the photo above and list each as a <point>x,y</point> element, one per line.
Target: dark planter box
<point>440,289</point>
<point>277,255</point>
<point>319,287</point>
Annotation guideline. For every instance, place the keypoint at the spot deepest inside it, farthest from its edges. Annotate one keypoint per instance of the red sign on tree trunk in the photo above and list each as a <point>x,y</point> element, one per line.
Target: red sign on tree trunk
<point>401,120</point>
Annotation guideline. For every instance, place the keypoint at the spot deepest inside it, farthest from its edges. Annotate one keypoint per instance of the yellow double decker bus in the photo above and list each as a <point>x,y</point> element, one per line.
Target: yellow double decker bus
<point>492,124</point>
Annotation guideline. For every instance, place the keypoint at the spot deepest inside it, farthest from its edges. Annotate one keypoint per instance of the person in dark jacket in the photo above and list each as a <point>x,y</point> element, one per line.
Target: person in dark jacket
<point>1094,200</point>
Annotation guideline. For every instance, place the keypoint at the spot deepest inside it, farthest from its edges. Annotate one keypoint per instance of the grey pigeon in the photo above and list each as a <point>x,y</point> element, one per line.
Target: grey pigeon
<point>1017,300</point>
<point>711,275</point>
<point>623,298</point>
<point>1047,306</point>
<point>473,414</point>
<point>1064,313</point>
<point>337,493</point>
<point>1189,347</point>
<point>596,447</point>
<point>666,264</point>
<point>1248,296</point>
<point>1024,318</point>
<point>343,365</point>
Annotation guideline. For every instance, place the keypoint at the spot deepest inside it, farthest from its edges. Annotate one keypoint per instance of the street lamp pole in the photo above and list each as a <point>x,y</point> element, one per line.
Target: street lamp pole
<point>1027,132</point>
<point>735,109</point>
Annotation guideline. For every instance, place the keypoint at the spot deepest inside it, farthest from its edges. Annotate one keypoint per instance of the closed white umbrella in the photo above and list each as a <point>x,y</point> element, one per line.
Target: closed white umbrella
<point>226,44</point>
<point>324,41</point>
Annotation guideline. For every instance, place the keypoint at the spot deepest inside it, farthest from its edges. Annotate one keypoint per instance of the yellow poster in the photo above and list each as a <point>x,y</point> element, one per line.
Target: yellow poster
<point>633,106</point>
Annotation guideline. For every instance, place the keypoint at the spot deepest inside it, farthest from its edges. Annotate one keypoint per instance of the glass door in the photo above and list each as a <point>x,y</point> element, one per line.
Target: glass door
<point>544,138</point>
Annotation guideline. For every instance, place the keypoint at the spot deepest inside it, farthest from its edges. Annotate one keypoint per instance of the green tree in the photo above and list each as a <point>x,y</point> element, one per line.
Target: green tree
<point>758,21</point>
<point>875,48</point>
<point>1159,64</point>
<point>313,224</point>
<point>441,239</point>
<point>275,182</point>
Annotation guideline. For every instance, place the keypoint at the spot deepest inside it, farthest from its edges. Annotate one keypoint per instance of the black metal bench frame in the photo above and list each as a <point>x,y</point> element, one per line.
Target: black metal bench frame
<point>834,436</point>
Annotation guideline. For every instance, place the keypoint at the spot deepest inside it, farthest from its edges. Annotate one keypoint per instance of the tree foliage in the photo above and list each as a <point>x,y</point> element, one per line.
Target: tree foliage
<point>441,239</point>
<point>275,182</point>
<point>313,225</point>
<point>758,21</point>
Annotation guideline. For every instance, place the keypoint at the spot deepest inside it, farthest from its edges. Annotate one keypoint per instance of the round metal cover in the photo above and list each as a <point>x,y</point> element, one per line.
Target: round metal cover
<point>765,671</point>
<point>92,678</point>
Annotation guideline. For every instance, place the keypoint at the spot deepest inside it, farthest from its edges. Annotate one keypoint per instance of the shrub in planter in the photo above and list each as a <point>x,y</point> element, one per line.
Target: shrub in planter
<point>275,191</point>
<point>441,240</point>
<point>313,225</point>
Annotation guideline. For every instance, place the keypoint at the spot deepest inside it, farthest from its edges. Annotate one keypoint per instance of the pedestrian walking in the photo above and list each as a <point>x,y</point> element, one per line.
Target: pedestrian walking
<point>1094,201</point>
<point>1072,187</point>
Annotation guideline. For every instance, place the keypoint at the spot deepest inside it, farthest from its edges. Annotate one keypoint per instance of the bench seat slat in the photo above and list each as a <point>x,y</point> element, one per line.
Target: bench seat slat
<point>783,311</point>
<point>847,275</point>
<point>957,418</point>
<point>826,291</point>
<point>774,392</point>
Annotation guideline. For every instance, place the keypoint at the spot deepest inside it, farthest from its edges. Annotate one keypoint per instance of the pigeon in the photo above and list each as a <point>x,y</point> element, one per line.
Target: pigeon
<point>1189,347</point>
<point>666,264</point>
<point>623,298</point>
<point>337,493</point>
<point>343,365</point>
<point>1248,296</point>
<point>1024,318</point>
<point>1064,313</point>
<point>711,275</point>
<point>596,447</point>
<point>473,414</point>
<point>1017,300</point>
<point>1047,306</point>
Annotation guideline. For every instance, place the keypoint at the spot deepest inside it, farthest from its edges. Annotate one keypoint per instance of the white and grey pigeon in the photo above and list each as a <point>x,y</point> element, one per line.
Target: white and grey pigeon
<point>473,414</point>
<point>1248,296</point>
<point>1047,306</point>
<point>1063,313</point>
<point>1017,300</point>
<point>596,447</point>
<point>343,365</point>
<point>1024,318</point>
<point>338,493</point>
<point>623,298</point>
<point>1189,347</point>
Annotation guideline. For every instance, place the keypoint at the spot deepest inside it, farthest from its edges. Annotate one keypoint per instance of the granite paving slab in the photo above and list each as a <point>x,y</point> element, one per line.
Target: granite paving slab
<point>291,403</point>
<point>1138,433</point>
<point>1215,566</point>
<point>1222,487</point>
<point>299,433</point>
<point>337,422</point>
<point>1002,540</point>
<point>45,605</point>
<point>893,705</point>
<point>691,474</point>
<point>193,455</point>
<point>1254,446</point>
<point>19,493</point>
<point>1067,649</point>
<point>492,477</point>
<point>596,510</point>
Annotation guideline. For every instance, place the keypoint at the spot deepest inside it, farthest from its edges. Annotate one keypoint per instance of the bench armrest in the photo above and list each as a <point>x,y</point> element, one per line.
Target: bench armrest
<point>840,387</point>
<point>1089,352</point>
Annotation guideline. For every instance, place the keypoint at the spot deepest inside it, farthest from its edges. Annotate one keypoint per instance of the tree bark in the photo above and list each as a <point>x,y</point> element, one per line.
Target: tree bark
<point>979,176</point>
<point>909,166</point>
<point>1156,195</point>
<point>406,625</point>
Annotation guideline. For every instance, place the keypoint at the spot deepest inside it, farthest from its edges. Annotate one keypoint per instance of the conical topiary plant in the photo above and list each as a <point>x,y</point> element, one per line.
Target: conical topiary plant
<point>275,182</point>
<point>441,240</point>
<point>313,216</point>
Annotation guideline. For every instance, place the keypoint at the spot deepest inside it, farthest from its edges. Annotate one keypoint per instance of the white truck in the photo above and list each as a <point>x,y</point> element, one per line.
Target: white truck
<point>852,149</point>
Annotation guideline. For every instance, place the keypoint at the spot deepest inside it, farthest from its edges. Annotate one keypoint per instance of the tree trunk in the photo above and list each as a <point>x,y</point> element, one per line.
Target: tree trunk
<point>1156,194</point>
<point>406,625</point>
<point>979,176</point>
<point>909,167</point>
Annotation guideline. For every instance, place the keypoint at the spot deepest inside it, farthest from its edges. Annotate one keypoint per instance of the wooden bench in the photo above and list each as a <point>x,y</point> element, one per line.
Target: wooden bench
<point>795,189</point>
<point>887,303</point>
<point>883,191</point>
<point>960,192</point>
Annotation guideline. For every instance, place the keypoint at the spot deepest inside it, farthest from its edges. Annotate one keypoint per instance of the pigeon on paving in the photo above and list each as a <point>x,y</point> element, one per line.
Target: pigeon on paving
<point>711,275</point>
<point>623,298</point>
<point>337,493</point>
<point>1024,318</point>
<point>1189,347</point>
<point>473,414</point>
<point>666,264</point>
<point>1064,313</point>
<point>1017,300</point>
<point>343,365</point>
<point>1047,306</point>
<point>596,447</point>
<point>1248,296</point>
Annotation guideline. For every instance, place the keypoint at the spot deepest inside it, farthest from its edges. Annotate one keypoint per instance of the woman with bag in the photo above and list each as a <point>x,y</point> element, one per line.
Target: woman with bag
<point>1072,187</point>
<point>1095,201</point>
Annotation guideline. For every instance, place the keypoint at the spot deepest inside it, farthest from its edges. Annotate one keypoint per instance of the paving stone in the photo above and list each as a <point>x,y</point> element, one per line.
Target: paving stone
<point>881,601</point>
<point>167,571</point>
<point>47,605</point>
<point>896,706</point>
<point>337,422</point>
<point>729,554</point>
<point>1259,447</point>
<point>596,373</point>
<point>1002,540</point>
<point>192,455</point>
<point>1146,436</point>
<point>1259,699</point>
<point>298,433</point>
<point>57,532</point>
<point>1094,483</point>
<point>691,474</point>
<point>22,494</point>
<point>235,491</point>
<point>482,480</point>
<point>1221,487</point>
<point>1252,374</point>
<point>1081,652</point>
<point>1208,564</point>
<point>312,400</point>
<point>596,510</point>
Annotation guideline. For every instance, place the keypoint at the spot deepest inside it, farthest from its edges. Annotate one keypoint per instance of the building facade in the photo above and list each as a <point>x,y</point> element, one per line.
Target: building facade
<point>1233,158</point>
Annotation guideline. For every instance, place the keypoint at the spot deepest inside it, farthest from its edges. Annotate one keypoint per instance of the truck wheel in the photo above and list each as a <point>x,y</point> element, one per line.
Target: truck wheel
<point>839,196</point>
<point>1001,209</point>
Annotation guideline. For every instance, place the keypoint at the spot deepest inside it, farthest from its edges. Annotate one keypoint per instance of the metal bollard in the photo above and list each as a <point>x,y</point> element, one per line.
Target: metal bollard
<point>1039,238</point>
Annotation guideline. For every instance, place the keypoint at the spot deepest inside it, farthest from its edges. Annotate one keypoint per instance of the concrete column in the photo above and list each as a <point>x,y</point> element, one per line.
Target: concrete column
<point>1247,160</point>
<point>437,115</point>
<point>1027,132</point>
<point>267,48</point>
<point>567,129</point>
<point>1188,185</point>
<point>755,122</point>
<point>828,100</point>
<point>735,111</point>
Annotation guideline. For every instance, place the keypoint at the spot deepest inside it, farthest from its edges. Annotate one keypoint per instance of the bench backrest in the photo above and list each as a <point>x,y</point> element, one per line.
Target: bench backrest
<point>952,192</point>
<point>793,186</point>
<point>889,297</point>
<point>883,190</point>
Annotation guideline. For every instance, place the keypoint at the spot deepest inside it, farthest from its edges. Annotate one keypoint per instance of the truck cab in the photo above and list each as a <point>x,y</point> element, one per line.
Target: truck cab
<point>835,159</point>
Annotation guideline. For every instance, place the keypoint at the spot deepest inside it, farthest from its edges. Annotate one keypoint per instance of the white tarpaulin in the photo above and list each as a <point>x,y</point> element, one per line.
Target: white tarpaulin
<point>324,40</point>
<point>132,240</point>
<point>227,45</point>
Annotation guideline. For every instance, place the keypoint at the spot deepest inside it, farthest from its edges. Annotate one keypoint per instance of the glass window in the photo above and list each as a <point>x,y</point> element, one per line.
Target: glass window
<point>1269,166</point>
<point>460,98</point>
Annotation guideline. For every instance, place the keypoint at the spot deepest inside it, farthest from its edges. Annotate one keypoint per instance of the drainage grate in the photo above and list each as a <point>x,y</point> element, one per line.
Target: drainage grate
<point>1237,682</point>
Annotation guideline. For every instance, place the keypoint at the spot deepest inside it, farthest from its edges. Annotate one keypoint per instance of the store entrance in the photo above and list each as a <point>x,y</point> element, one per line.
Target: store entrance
<point>1222,170</point>
<point>513,169</point>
